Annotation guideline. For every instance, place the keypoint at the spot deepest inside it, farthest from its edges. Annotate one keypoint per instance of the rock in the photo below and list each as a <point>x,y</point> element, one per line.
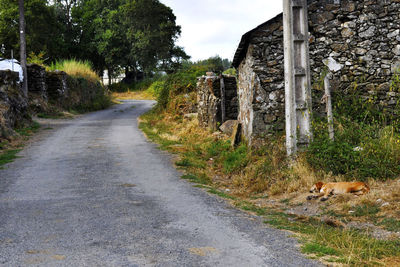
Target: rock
<point>360,51</point>
<point>368,33</point>
<point>393,33</point>
<point>228,127</point>
<point>347,32</point>
<point>396,50</point>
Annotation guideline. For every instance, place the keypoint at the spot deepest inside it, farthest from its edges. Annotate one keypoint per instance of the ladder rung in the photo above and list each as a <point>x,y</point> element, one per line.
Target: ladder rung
<point>301,105</point>
<point>298,37</point>
<point>303,140</point>
<point>299,71</point>
<point>298,3</point>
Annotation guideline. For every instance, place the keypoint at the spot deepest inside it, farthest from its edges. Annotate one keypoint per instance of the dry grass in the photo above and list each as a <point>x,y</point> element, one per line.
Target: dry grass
<point>76,68</point>
<point>133,95</point>
<point>271,181</point>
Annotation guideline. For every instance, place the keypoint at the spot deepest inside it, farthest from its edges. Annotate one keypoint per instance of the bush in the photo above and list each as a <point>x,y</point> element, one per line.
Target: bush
<point>76,68</point>
<point>361,152</point>
<point>156,88</point>
<point>183,81</point>
<point>86,95</point>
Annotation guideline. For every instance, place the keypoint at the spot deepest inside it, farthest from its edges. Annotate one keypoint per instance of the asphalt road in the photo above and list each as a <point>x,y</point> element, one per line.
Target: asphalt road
<point>93,192</point>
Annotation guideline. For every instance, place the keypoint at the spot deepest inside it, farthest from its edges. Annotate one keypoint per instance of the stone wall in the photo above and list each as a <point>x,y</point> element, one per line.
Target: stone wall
<point>57,88</point>
<point>362,36</point>
<point>13,105</point>
<point>216,104</point>
<point>37,80</point>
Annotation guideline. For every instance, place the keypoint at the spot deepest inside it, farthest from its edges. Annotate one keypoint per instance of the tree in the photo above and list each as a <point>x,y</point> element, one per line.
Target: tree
<point>43,30</point>
<point>23,47</point>
<point>152,33</point>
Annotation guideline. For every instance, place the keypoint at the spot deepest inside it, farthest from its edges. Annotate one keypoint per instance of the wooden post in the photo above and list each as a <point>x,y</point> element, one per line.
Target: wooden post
<point>328,99</point>
<point>22,36</point>
<point>297,75</point>
<point>222,88</point>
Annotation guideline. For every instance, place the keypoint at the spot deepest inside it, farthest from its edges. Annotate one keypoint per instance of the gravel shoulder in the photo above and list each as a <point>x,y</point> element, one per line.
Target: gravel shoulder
<point>92,191</point>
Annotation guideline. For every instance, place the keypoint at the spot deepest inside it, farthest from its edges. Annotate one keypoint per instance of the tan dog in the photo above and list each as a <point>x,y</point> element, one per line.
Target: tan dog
<point>328,189</point>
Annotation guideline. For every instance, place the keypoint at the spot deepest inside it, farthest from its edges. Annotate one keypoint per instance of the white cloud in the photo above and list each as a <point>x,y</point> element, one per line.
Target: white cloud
<point>212,27</point>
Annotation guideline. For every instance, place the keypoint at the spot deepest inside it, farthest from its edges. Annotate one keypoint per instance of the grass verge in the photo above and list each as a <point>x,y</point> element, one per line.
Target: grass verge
<point>10,149</point>
<point>248,178</point>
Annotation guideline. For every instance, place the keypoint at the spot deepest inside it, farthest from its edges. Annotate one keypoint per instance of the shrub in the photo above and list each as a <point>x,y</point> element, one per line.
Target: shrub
<point>362,151</point>
<point>183,81</point>
<point>76,68</point>
<point>156,88</point>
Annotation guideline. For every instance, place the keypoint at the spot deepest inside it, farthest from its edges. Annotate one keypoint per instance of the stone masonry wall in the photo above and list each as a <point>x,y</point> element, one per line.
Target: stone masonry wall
<point>362,36</point>
<point>13,105</point>
<point>210,100</point>
<point>37,80</point>
<point>57,88</point>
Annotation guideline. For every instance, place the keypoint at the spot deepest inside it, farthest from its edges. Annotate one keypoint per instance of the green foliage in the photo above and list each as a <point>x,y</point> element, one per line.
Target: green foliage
<point>231,71</point>
<point>86,95</point>
<point>156,88</point>
<point>220,194</point>
<point>119,87</point>
<point>391,224</point>
<point>198,179</point>
<point>319,250</point>
<point>137,35</point>
<point>36,58</point>
<point>8,156</point>
<point>231,159</point>
<point>367,138</point>
<point>365,210</point>
<point>215,149</point>
<point>361,151</point>
<point>181,82</point>
<point>236,159</point>
<point>43,29</point>
<point>27,131</point>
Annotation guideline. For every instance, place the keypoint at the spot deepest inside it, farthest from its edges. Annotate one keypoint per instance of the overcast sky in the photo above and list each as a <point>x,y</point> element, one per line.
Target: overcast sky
<point>214,27</point>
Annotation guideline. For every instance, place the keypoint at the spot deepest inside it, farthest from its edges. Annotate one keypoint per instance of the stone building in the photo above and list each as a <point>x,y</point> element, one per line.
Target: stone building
<point>362,36</point>
<point>216,100</point>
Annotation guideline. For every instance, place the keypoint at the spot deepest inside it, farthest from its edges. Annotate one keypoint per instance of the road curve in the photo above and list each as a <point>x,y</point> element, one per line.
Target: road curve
<point>94,192</point>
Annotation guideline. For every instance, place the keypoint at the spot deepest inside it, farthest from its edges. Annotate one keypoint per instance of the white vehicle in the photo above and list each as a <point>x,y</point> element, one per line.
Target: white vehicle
<point>13,65</point>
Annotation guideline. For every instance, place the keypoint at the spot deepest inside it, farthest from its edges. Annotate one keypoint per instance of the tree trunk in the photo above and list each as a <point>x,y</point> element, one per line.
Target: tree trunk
<point>23,47</point>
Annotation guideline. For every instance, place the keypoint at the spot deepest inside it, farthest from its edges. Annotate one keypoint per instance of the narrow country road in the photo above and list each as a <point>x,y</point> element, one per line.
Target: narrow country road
<point>94,192</point>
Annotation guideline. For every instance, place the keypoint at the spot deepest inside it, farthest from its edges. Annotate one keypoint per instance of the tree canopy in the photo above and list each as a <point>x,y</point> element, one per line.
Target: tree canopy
<point>130,35</point>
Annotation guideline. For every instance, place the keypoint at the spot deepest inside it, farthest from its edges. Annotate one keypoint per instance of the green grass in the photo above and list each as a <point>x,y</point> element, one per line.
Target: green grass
<point>8,156</point>
<point>335,244</point>
<point>52,115</point>
<point>365,210</point>
<point>220,194</point>
<point>199,179</point>
<point>27,131</point>
<point>350,246</point>
<point>390,224</point>
<point>3,144</point>
<point>319,250</point>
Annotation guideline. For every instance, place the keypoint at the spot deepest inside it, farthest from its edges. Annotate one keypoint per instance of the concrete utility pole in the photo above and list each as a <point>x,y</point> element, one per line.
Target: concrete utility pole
<point>23,47</point>
<point>297,75</point>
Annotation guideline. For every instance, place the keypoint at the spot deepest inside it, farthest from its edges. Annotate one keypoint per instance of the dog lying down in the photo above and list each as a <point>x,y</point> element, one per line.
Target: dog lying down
<point>328,189</point>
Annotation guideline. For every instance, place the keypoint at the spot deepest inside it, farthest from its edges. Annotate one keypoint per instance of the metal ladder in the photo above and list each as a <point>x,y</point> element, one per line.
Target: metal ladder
<point>297,75</point>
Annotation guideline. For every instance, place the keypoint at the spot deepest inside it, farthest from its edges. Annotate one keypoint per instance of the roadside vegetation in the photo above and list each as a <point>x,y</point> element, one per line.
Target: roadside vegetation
<point>10,148</point>
<point>347,230</point>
